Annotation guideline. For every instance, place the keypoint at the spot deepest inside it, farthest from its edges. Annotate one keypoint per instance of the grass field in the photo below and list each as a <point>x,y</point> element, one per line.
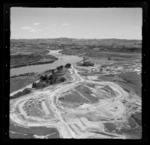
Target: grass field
<point>137,117</point>
<point>130,81</point>
<point>110,126</point>
<point>85,91</point>
<point>21,81</point>
<point>133,82</point>
<point>20,60</point>
<point>74,97</point>
<point>135,133</point>
<point>26,52</point>
<point>22,132</point>
<point>119,49</point>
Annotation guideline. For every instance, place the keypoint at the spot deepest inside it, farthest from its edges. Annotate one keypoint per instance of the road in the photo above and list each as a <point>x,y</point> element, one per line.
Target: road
<point>62,116</point>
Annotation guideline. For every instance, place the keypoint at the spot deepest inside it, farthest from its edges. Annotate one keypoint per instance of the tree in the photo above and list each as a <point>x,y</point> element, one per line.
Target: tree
<point>43,78</point>
<point>87,63</point>
<point>54,77</point>
<point>50,77</point>
<point>83,63</point>
<point>68,65</point>
<point>59,68</point>
<point>34,85</point>
<point>50,82</point>
<point>17,94</point>
<point>53,71</point>
<point>62,79</point>
<point>26,91</point>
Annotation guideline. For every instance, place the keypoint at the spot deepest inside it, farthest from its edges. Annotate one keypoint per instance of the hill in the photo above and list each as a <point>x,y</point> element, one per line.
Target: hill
<point>122,45</point>
<point>132,81</point>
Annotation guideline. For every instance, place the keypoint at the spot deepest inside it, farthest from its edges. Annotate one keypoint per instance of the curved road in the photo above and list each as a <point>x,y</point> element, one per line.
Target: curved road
<point>66,120</point>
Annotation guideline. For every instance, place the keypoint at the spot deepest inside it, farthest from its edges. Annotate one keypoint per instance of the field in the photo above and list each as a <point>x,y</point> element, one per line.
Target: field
<point>28,53</point>
<point>85,91</point>
<point>95,48</point>
<point>21,132</point>
<point>20,60</point>
<point>17,83</point>
<point>73,97</point>
<point>130,81</point>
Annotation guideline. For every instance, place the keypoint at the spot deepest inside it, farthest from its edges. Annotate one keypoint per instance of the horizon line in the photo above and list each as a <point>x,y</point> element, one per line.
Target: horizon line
<point>73,38</point>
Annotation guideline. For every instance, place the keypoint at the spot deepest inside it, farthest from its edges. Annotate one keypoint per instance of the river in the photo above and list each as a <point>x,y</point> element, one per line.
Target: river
<point>62,60</point>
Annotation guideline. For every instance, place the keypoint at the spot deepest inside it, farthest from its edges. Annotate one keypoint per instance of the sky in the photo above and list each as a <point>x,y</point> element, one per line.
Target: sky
<point>86,23</point>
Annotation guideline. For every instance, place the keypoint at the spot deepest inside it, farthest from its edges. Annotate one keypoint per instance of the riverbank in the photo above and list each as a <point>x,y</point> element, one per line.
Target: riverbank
<point>44,79</point>
<point>35,63</point>
<point>39,68</point>
<point>23,76</point>
<point>21,60</point>
<point>19,82</point>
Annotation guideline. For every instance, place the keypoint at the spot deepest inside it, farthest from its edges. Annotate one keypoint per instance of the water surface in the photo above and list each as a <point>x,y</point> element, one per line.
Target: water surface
<point>62,60</point>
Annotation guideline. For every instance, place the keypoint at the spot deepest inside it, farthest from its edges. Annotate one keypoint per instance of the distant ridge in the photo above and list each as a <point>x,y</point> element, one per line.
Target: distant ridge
<point>66,38</point>
<point>72,41</point>
<point>94,45</point>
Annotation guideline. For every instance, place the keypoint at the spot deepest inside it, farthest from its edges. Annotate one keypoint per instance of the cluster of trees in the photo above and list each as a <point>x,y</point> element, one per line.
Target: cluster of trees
<point>59,68</point>
<point>88,63</point>
<point>68,65</point>
<point>21,93</point>
<point>46,80</point>
<point>25,74</point>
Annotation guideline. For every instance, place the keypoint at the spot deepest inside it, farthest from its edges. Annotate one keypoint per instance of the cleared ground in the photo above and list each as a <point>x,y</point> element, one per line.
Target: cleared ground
<point>85,91</point>
<point>130,81</point>
<point>21,132</point>
<point>73,97</point>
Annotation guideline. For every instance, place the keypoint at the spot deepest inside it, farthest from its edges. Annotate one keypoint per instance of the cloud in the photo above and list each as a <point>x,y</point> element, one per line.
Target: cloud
<point>34,30</point>
<point>26,28</point>
<point>65,24</point>
<point>30,29</point>
<point>36,24</point>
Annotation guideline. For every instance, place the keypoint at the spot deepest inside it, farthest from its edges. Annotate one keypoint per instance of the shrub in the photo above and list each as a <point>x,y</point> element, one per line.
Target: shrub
<point>68,65</point>
<point>62,79</point>
<point>26,91</point>
<point>21,93</point>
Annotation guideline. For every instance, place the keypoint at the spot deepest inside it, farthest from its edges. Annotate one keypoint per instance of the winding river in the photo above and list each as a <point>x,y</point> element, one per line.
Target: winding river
<point>62,60</point>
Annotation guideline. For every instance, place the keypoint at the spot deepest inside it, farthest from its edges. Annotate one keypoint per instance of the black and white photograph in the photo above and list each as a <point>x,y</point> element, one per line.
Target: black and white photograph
<point>75,73</point>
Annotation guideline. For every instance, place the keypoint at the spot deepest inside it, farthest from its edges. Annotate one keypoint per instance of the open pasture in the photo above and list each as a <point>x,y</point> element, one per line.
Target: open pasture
<point>86,92</point>
<point>73,97</point>
<point>21,132</point>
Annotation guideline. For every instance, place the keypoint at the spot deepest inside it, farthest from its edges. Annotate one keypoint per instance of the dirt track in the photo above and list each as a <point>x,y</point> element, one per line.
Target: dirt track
<point>66,120</point>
